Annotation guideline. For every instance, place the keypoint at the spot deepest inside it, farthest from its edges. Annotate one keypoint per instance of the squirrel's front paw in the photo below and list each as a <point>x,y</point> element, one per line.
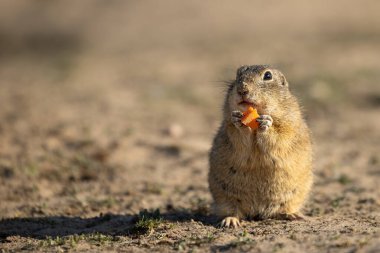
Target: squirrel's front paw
<point>236,117</point>
<point>265,121</point>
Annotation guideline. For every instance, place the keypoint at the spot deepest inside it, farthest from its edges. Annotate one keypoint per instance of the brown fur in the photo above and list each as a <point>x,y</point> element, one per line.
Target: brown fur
<point>261,173</point>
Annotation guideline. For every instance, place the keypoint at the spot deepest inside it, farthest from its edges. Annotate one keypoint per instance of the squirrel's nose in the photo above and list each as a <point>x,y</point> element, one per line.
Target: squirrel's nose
<point>242,89</point>
<point>243,92</point>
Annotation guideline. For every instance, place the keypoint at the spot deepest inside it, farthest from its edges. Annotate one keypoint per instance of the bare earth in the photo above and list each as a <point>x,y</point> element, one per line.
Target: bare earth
<point>108,109</point>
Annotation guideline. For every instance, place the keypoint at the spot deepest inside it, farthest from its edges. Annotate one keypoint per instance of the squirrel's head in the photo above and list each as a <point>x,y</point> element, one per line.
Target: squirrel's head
<point>259,86</point>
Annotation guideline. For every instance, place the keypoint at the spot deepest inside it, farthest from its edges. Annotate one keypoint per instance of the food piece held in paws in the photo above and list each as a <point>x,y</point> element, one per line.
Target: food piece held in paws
<point>249,118</point>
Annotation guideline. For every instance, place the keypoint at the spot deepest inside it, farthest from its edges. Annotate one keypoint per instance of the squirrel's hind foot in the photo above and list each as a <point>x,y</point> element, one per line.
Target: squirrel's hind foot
<point>290,216</point>
<point>230,222</point>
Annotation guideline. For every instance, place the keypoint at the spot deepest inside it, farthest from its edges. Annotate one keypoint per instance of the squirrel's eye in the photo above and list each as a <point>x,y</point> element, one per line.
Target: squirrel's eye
<point>267,76</point>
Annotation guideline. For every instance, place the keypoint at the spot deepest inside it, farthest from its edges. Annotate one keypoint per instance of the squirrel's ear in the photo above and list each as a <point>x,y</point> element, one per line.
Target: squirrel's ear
<point>283,80</point>
<point>240,70</point>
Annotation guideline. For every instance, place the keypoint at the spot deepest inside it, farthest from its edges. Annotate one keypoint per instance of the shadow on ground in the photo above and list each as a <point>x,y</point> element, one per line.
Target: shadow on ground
<point>107,224</point>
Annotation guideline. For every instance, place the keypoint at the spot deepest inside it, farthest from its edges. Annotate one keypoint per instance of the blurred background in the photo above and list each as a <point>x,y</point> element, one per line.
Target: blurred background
<point>111,106</point>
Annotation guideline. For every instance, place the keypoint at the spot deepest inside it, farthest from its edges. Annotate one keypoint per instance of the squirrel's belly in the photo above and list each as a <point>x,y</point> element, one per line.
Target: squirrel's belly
<point>259,196</point>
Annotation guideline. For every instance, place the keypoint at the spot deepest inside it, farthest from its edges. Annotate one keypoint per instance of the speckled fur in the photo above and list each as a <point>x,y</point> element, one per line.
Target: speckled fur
<point>261,173</point>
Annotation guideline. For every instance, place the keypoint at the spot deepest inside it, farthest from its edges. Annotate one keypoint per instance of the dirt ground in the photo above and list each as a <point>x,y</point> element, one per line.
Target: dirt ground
<point>108,109</point>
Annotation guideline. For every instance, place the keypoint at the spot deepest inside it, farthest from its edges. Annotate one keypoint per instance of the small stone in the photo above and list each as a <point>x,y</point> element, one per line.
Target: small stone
<point>175,130</point>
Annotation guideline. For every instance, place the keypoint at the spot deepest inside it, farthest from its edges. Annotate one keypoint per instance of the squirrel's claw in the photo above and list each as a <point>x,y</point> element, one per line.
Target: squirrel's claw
<point>230,222</point>
<point>236,117</point>
<point>265,121</point>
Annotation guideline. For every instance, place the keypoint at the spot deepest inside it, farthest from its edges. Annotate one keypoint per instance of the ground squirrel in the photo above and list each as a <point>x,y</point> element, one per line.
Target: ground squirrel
<point>263,173</point>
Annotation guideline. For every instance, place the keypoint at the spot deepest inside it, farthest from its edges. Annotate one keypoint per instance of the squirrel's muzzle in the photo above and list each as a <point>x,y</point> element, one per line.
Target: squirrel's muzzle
<point>242,89</point>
